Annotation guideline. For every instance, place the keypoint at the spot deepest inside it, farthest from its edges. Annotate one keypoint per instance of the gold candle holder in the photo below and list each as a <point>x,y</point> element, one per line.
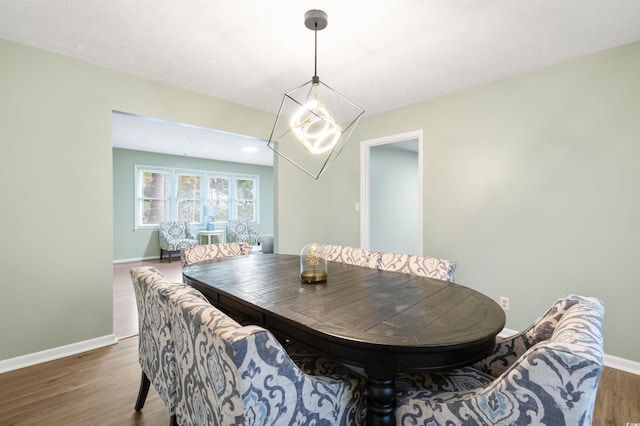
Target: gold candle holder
<point>313,264</point>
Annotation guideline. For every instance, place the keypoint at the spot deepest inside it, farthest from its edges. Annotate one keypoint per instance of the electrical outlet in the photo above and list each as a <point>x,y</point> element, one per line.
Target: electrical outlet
<point>504,303</point>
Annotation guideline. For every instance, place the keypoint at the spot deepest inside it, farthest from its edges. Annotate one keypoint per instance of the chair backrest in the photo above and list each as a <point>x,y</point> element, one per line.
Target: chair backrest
<point>557,379</point>
<point>155,347</point>
<point>423,266</point>
<point>241,231</point>
<point>173,230</point>
<point>554,381</point>
<point>204,253</point>
<point>351,255</point>
<point>229,374</point>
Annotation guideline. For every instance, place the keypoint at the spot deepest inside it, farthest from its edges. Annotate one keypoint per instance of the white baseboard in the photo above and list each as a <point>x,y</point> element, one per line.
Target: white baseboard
<point>507,332</point>
<point>618,363</point>
<point>609,360</point>
<point>55,353</point>
<point>137,259</point>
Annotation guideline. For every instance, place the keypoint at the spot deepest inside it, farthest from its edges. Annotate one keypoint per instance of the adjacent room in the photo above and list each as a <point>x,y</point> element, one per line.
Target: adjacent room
<point>408,199</point>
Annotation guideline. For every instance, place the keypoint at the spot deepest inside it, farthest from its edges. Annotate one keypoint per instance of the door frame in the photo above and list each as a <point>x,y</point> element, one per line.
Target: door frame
<point>365,184</point>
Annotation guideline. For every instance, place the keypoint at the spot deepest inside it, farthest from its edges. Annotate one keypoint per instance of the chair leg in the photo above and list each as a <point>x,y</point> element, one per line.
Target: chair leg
<point>174,421</point>
<point>142,393</point>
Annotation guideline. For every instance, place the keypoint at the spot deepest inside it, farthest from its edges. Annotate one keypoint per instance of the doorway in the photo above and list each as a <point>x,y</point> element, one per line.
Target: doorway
<point>391,210</point>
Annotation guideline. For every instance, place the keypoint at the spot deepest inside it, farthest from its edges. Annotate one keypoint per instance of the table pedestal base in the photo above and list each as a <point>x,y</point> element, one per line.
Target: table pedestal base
<point>381,396</point>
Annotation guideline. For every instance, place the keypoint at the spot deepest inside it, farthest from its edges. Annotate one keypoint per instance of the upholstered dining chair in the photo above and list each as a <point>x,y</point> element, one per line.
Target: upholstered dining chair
<point>175,236</point>
<point>351,255</point>
<point>241,231</point>
<point>204,253</point>
<point>547,374</point>
<point>230,374</point>
<point>155,342</point>
<point>423,266</point>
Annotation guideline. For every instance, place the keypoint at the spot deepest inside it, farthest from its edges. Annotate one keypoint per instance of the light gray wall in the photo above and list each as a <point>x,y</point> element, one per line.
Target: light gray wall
<point>57,186</point>
<point>393,200</point>
<point>129,244</point>
<point>530,183</point>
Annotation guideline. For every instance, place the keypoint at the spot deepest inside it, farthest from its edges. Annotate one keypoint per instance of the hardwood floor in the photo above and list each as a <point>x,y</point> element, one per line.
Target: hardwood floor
<point>94,388</point>
<point>100,387</point>
<point>618,399</point>
<point>125,312</point>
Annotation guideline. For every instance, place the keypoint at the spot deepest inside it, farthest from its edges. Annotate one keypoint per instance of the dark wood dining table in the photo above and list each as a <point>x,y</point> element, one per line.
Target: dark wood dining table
<point>382,321</point>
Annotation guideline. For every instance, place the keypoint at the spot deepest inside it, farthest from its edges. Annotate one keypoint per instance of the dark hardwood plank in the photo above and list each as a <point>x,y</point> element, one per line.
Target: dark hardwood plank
<point>356,303</point>
<point>94,388</point>
<point>618,399</point>
<point>125,312</point>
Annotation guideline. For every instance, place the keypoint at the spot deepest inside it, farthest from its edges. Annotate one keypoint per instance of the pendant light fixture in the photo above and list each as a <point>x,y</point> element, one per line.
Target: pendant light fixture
<point>314,121</point>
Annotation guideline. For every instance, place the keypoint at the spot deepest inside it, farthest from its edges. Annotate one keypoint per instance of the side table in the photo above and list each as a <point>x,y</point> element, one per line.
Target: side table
<point>220,234</point>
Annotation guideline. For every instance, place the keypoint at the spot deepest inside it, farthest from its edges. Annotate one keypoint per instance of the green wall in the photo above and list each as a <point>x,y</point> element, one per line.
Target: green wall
<point>530,183</point>
<point>57,185</point>
<point>129,244</point>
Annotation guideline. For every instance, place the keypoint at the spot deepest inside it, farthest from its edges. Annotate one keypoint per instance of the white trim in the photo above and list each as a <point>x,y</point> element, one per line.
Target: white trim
<point>618,363</point>
<point>56,353</point>
<point>137,259</point>
<point>365,155</point>
<point>611,361</point>
<point>507,332</point>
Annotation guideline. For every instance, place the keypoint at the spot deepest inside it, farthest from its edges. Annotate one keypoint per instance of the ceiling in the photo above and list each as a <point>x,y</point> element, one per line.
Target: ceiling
<point>131,131</point>
<point>381,54</point>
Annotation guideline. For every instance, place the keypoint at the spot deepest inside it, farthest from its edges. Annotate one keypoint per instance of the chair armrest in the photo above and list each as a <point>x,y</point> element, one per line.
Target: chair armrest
<point>554,383</point>
<point>336,395</point>
<point>504,354</point>
<point>164,241</point>
<point>188,233</point>
<point>507,350</point>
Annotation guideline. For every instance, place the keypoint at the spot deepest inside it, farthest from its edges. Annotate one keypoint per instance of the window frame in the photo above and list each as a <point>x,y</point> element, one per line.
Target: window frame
<point>176,204</point>
<point>173,200</point>
<point>236,200</point>
<point>139,194</point>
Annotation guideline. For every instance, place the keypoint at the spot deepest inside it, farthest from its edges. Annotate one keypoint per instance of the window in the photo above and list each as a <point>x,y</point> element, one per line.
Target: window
<point>154,198</point>
<point>218,197</point>
<point>245,197</point>
<point>194,196</point>
<point>188,199</point>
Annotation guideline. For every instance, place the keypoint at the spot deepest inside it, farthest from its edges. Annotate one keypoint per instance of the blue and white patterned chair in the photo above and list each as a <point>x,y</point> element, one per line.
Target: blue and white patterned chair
<point>423,266</point>
<point>155,342</point>
<point>175,236</point>
<point>207,252</point>
<point>204,253</point>
<point>234,375</point>
<point>548,374</point>
<point>241,231</point>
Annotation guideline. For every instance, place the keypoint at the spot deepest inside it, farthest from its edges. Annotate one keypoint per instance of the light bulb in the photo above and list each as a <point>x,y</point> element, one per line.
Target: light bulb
<point>314,126</point>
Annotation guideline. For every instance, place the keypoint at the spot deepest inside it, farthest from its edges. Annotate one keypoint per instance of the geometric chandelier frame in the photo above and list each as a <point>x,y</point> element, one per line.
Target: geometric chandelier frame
<point>314,121</point>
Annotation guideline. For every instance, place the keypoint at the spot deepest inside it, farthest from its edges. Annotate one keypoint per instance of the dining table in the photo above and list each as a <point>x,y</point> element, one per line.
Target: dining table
<point>384,322</point>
